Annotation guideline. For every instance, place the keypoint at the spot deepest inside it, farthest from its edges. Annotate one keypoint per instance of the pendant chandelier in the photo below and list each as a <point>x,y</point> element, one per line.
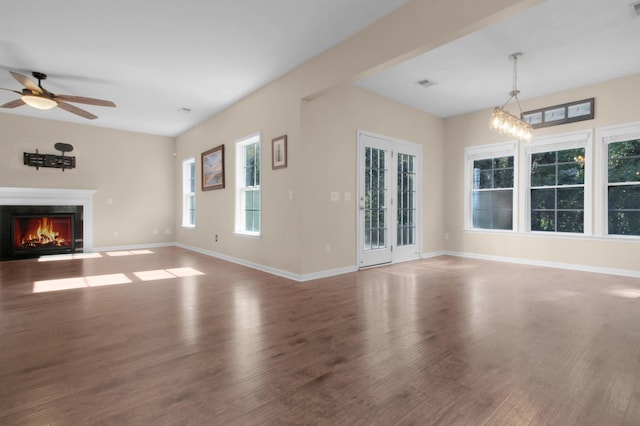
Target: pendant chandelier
<point>506,123</point>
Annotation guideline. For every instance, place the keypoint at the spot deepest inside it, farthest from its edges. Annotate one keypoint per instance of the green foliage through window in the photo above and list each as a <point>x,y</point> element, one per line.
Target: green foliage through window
<point>557,191</point>
<point>624,187</point>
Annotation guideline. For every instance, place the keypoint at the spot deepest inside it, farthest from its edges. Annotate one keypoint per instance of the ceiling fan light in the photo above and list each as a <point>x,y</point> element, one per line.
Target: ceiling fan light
<point>39,102</point>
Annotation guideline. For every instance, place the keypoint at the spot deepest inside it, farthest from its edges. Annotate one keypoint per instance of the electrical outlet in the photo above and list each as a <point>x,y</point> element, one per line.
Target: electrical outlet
<point>327,248</point>
<point>216,238</point>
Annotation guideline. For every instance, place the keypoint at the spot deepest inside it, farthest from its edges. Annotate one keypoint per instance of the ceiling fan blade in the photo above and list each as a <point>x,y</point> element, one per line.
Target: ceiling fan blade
<point>82,100</point>
<point>13,104</point>
<point>11,90</point>
<point>26,82</point>
<point>75,110</point>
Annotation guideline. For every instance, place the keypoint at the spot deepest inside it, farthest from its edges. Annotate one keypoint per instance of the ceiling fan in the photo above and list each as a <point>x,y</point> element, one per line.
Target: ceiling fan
<point>38,97</point>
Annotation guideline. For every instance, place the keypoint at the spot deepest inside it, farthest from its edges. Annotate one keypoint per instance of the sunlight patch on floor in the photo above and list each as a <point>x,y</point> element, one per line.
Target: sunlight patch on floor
<point>70,256</point>
<point>112,279</point>
<point>185,272</point>
<point>79,282</point>
<point>128,252</point>
<point>159,274</point>
<point>627,293</point>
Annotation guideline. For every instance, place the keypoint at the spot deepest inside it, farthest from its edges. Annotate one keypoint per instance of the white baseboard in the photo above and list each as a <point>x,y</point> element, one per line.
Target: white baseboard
<point>269,269</point>
<point>328,273</point>
<point>569,266</point>
<point>243,262</point>
<point>347,269</point>
<point>433,254</point>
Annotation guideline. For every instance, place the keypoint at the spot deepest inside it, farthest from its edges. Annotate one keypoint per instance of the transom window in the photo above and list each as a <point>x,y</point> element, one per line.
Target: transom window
<point>248,205</point>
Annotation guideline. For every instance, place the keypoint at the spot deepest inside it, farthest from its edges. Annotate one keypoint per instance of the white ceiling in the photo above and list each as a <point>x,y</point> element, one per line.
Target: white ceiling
<point>565,44</point>
<point>153,58</point>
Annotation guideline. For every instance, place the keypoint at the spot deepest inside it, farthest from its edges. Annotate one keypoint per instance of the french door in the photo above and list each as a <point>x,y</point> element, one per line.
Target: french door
<point>388,200</point>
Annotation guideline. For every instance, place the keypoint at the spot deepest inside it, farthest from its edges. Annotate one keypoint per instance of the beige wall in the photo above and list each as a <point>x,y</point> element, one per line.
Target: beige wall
<point>298,196</point>
<point>330,123</point>
<point>132,170</point>
<point>322,159</point>
<point>314,105</point>
<point>273,111</point>
<point>616,102</point>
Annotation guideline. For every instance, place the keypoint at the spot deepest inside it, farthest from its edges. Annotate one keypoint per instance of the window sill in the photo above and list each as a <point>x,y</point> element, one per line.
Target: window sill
<point>247,235</point>
<point>559,235</point>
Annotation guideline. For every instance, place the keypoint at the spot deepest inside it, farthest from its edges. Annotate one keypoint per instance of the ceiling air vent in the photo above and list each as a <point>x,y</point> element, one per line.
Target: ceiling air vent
<point>427,82</point>
<point>635,9</point>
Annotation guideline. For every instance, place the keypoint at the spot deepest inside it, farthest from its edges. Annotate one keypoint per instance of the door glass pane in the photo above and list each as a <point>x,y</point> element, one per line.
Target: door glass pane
<point>405,205</point>
<point>374,203</point>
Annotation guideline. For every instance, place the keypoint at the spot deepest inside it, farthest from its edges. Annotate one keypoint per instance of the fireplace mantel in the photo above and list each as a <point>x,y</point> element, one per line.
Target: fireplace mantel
<point>54,197</point>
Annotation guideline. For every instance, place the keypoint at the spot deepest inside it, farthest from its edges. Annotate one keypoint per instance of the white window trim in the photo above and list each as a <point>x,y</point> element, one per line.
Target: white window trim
<point>186,193</point>
<point>558,142</point>
<point>605,136</point>
<point>239,163</point>
<point>473,153</point>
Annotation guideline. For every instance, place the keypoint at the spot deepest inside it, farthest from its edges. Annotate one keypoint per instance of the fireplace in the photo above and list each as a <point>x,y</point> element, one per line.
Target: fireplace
<point>52,203</point>
<point>32,231</point>
<point>42,233</point>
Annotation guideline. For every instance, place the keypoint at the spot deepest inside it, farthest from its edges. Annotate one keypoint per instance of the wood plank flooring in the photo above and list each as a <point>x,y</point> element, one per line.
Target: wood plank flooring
<point>168,336</point>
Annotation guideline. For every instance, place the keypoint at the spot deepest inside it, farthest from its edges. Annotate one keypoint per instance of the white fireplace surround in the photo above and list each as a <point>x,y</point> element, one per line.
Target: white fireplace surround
<point>55,197</point>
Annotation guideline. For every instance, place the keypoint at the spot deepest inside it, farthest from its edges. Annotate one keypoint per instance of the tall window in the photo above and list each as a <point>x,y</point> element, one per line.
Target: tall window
<point>559,183</point>
<point>493,193</point>
<point>189,192</point>
<point>491,183</point>
<point>623,186</point>
<point>557,191</point>
<point>248,185</point>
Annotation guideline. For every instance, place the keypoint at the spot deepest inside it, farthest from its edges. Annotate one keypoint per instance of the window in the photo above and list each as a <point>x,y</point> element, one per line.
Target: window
<point>189,192</point>
<point>622,148</point>
<point>491,182</point>
<point>248,185</point>
<point>559,193</point>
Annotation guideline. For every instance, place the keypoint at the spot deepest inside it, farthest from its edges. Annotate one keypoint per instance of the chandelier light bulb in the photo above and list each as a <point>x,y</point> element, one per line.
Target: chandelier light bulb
<point>506,123</point>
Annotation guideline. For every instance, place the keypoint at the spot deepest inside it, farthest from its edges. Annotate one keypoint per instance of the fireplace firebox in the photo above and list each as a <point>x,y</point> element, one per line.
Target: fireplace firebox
<point>32,231</point>
<point>34,234</point>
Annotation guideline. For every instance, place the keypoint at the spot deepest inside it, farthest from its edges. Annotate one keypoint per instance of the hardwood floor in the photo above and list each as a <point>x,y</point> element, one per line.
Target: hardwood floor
<point>175,337</point>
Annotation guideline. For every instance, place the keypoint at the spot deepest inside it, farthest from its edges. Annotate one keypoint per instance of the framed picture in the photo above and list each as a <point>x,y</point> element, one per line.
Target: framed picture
<point>213,168</point>
<point>279,152</point>
<point>560,114</point>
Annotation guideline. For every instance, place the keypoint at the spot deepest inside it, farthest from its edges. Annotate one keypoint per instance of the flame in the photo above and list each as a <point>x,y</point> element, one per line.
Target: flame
<point>41,234</point>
